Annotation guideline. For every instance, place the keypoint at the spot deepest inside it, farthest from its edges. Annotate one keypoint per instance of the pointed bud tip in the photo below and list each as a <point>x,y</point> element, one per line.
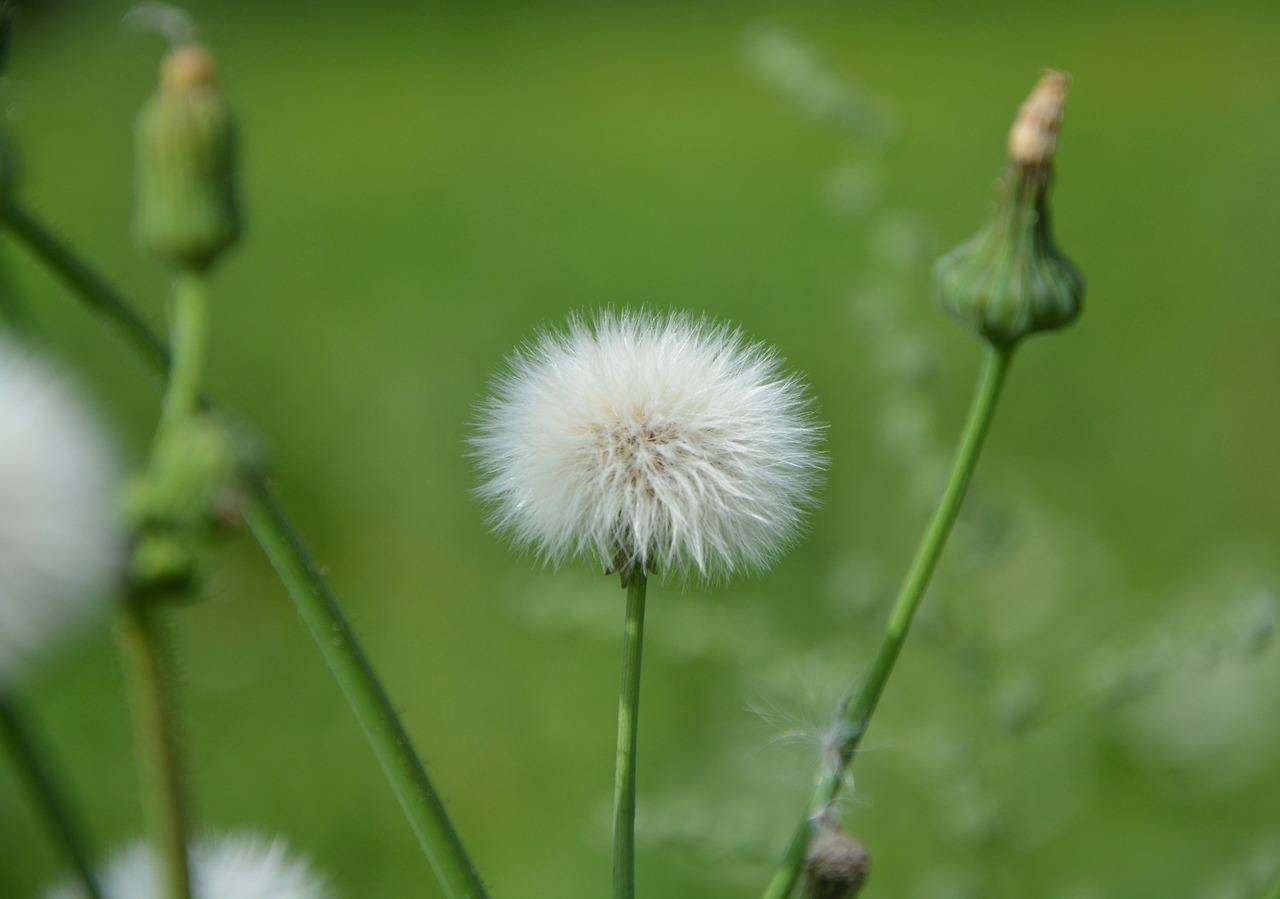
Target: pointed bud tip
<point>1034,135</point>
<point>188,66</point>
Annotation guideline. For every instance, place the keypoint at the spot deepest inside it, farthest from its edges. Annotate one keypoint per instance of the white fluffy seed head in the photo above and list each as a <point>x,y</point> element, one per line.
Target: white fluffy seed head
<point>61,543</point>
<point>651,440</point>
<point>234,867</point>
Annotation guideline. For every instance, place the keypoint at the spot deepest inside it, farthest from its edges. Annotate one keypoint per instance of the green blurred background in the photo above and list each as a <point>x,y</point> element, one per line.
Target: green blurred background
<point>1091,704</point>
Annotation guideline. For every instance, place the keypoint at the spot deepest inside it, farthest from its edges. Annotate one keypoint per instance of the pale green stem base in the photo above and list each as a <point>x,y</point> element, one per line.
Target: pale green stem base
<point>147,671</point>
<point>624,790</point>
<point>855,715</point>
<point>62,823</point>
<point>303,581</point>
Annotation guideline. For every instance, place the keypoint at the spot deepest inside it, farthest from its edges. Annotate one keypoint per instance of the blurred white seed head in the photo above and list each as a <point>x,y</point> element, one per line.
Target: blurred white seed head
<point>640,439</point>
<point>61,543</point>
<point>233,867</point>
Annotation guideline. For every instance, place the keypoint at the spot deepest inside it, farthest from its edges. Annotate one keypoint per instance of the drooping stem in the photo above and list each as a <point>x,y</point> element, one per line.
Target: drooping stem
<point>855,712</point>
<point>301,578</point>
<point>33,767</point>
<point>624,790</point>
<point>146,663</point>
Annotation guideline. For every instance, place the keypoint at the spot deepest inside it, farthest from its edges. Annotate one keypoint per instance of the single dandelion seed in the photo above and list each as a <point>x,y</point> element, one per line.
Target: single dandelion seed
<point>231,867</point>
<point>61,545</point>
<point>649,442</point>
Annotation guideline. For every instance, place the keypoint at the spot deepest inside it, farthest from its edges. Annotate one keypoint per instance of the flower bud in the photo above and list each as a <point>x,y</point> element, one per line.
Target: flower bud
<point>836,865</point>
<point>187,212</point>
<point>1010,280</point>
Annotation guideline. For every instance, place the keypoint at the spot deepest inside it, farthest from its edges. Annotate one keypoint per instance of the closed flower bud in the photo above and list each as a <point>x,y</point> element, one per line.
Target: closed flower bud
<point>1011,280</point>
<point>836,865</point>
<point>187,211</point>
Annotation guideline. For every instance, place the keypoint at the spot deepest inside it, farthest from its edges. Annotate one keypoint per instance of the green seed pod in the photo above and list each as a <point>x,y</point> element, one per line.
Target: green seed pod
<point>1011,280</point>
<point>187,212</point>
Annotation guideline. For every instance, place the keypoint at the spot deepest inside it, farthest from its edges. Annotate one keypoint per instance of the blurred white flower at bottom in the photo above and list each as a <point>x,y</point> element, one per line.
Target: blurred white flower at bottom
<point>231,867</point>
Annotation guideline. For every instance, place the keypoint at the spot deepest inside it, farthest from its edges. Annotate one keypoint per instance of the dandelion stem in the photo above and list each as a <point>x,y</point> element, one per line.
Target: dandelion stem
<point>146,663</point>
<point>855,715</point>
<point>301,578</point>
<point>37,772</point>
<point>624,790</point>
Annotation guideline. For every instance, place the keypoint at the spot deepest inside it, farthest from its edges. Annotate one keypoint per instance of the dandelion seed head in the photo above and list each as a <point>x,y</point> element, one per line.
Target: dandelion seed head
<point>232,867</point>
<point>61,544</point>
<point>639,439</point>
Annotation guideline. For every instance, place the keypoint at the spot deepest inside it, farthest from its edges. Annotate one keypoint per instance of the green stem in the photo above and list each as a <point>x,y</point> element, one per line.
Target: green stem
<point>155,731</point>
<point>62,823</point>
<point>855,715</point>
<point>186,340</point>
<point>86,283</point>
<point>306,586</point>
<point>333,635</point>
<point>624,791</point>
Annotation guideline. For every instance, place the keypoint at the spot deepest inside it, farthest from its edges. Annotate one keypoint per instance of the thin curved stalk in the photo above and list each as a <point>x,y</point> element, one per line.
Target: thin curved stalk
<point>855,715</point>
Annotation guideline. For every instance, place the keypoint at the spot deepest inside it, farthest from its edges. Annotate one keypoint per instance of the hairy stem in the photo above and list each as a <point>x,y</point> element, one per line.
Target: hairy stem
<point>31,763</point>
<point>624,790</point>
<point>855,714</point>
<point>364,693</point>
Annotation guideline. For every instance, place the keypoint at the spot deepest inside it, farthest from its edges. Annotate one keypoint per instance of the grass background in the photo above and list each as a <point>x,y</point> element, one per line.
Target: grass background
<point>426,184</point>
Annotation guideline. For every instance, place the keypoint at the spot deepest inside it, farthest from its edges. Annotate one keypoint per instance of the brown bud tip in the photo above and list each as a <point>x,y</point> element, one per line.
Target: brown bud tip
<point>186,67</point>
<point>1034,134</point>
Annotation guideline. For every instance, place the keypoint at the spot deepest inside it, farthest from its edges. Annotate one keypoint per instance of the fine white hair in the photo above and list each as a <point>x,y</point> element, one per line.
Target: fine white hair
<point>61,541</point>
<point>642,439</point>
<point>241,866</point>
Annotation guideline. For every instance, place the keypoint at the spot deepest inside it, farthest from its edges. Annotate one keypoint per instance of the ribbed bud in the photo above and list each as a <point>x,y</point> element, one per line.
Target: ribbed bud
<point>1011,280</point>
<point>187,212</point>
<point>836,865</point>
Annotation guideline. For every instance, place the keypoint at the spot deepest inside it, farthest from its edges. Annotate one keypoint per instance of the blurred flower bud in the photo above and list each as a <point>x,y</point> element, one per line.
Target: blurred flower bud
<point>187,212</point>
<point>1010,280</point>
<point>836,865</point>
